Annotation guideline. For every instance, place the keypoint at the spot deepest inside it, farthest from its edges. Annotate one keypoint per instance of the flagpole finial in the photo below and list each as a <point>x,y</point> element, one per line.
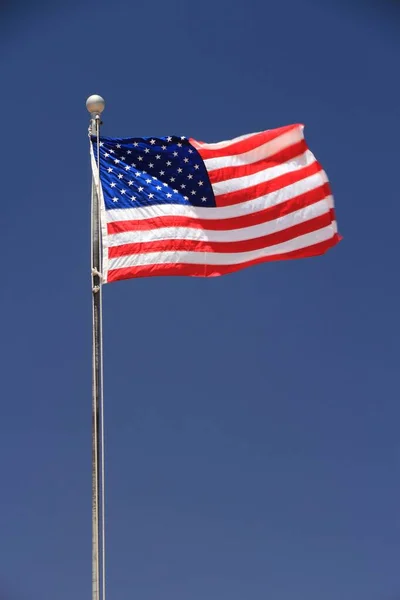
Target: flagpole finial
<point>95,104</point>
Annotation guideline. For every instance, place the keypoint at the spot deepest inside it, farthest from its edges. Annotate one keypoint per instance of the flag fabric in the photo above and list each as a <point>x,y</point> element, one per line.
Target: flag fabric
<point>176,206</point>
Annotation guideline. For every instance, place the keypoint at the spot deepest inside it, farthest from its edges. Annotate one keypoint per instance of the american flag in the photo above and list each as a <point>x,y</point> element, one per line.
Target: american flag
<point>176,206</point>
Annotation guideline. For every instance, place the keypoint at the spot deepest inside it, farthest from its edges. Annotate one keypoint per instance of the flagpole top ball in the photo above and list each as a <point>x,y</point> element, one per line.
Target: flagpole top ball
<point>95,104</point>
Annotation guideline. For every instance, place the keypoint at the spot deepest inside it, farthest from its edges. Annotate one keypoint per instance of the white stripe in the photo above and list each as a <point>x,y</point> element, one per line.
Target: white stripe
<point>217,258</point>
<point>232,235</point>
<point>103,217</point>
<point>216,145</point>
<point>226,212</point>
<point>241,183</point>
<point>294,136</point>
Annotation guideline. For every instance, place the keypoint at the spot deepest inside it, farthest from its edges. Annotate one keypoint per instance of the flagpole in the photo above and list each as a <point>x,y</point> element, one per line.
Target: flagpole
<point>95,105</point>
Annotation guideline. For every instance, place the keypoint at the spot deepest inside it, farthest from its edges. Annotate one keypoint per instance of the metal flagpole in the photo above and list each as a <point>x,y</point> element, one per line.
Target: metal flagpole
<point>95,105</point>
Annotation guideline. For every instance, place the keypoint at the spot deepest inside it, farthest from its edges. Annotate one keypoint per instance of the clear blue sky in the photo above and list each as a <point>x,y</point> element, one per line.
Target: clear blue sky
<point>253,447</point>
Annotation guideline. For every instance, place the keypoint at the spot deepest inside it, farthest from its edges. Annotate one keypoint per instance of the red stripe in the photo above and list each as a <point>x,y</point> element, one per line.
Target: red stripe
<point>267,187</point>
<point>215,270</point>
<point>256,218</point>
<point>244,145</point>
<point>186,245</point>
<point>278,158</point>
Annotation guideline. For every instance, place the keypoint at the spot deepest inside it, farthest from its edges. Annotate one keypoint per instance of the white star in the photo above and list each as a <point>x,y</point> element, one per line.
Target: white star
<point>169,163</point>
<point>155,178</point>
<point>175,191</point>
<point>109,170</point>
<point>112,152</point>
<point>120,176</point>
<point>186,160</point>
<point>151,195</point>
<point>165,184</point>
<point>127,168</point>
<point>190,176</point>
<point>162,172</point>
<point>169,195</point>
<point>106,155</point>
<point>113,184</point>
<point>137,174</point>
<point>164,147</point>
<point>151,165</point>
<point>204,199</point>
<point>118,145</point>
<point>129,151</point>
<point>115,199</point>
<point>130,182</point>
<point>183,185</point>
<point>101,144</point>
<point>196,167</point>
<point>200,182</point>
<point>183,137</point>
<point>190,151</point>
<point>147,150</point>
<point>179,170</point>
<point>148,180</point>
<point>123,157</point>
<point>180,145</point>
<point>135,144</point>
<point>159,188</point>
<point>117,161</point>
<point>133,165</point>
<point>140,189</point>
<point>158,156</point>
<point>140,157</point>
<point>172,179</point>
<point>123,192</point>
<point>169,138</point>
<point>175,154</point>
<point>193,192</point>
<point>152,142</point>
<point>186,198</point>
<point>133,198</point>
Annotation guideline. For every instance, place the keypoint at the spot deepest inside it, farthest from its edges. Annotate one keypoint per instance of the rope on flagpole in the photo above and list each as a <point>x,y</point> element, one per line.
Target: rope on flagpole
<point>95,457</point>
<point>102,476</point>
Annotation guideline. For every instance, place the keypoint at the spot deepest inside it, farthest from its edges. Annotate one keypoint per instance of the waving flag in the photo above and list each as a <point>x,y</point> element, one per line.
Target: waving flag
<point>176,206</point>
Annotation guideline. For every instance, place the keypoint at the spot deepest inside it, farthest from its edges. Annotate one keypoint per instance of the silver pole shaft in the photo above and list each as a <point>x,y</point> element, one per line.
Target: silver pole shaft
<point>97,398</point>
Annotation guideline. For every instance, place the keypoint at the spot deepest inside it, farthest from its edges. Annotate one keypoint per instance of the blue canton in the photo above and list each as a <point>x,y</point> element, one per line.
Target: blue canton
<point>139,172</point>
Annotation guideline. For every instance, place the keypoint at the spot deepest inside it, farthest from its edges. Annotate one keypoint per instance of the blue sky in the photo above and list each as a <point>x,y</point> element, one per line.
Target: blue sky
<point>251,420</point>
